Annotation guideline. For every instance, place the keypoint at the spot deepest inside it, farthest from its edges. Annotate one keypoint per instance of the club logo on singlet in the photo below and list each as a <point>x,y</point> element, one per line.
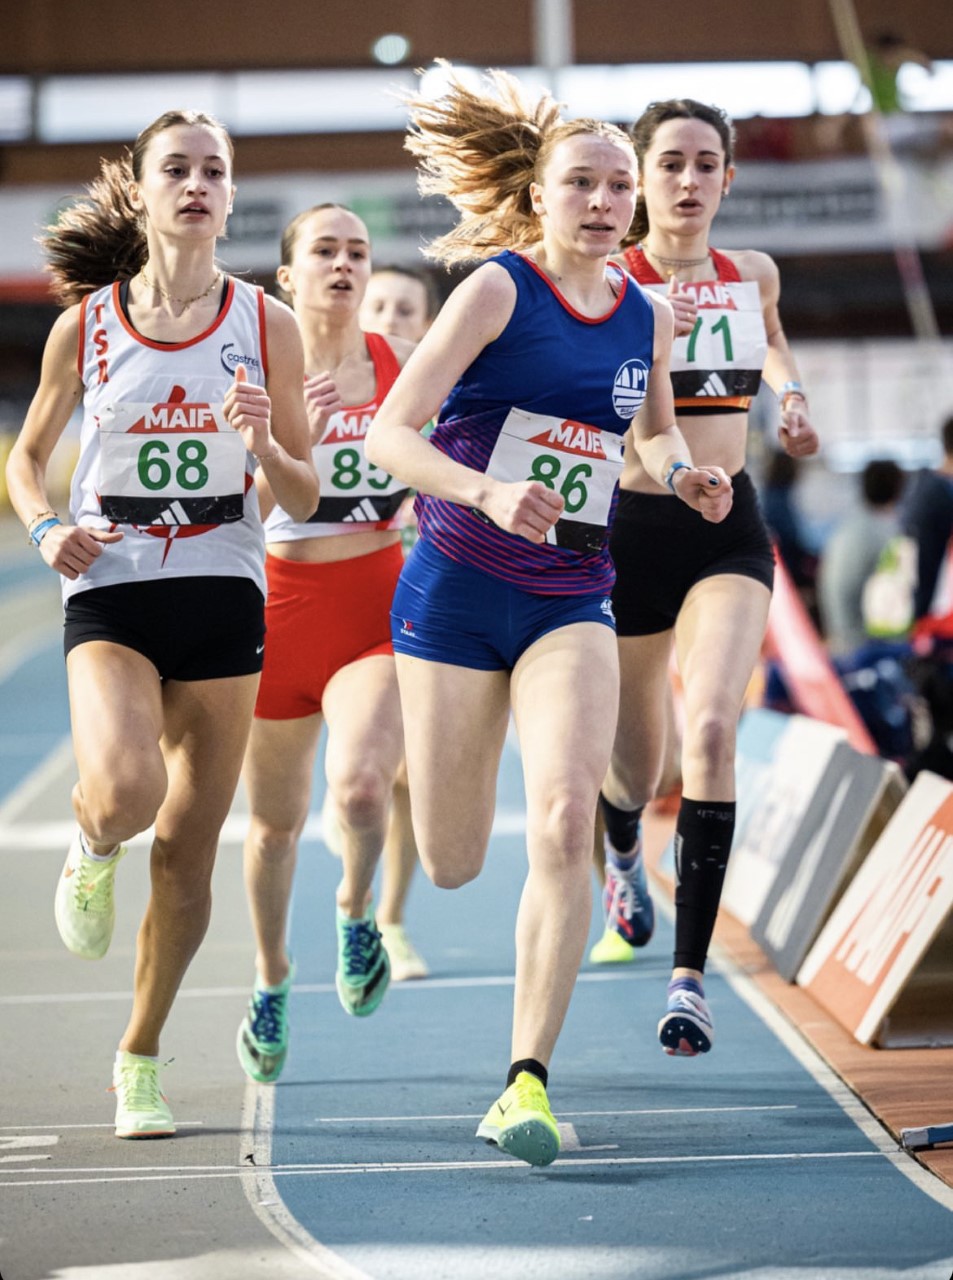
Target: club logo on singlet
<point>629,388</point>
<point>231,359</point>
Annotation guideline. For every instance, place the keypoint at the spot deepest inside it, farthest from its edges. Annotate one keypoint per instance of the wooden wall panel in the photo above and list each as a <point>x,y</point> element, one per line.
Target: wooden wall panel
<point>60,36</point>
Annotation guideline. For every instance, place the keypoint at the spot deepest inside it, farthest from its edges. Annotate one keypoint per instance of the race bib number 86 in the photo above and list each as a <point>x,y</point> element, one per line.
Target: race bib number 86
<point>579,462</point>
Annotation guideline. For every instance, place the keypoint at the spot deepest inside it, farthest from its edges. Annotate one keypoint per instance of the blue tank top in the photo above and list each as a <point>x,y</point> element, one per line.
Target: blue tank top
<point>550,399</point>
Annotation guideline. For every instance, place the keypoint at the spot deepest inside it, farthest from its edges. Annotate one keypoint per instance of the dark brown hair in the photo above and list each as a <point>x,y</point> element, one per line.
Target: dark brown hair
<point>644,130</point>
<point>101,238</point>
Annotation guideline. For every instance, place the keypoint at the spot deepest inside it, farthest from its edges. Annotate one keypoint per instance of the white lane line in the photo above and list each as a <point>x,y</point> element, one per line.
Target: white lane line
<point>653,1111</point>
<point>17,836</point>
<point>804,1052</point>
<point>30,1128</point>
<point>258,1116</point>
<point>260,1179</point>
<point>419,986</point>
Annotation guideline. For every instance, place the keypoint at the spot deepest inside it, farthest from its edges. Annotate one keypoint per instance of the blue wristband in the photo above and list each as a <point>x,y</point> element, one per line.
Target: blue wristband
<point>38,533</point>
<point>791,389</point>
<point>670,474</point>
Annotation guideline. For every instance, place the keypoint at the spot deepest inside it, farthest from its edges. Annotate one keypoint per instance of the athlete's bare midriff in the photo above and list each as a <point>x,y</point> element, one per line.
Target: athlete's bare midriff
<point>344,546</point>
<point>715,440</point>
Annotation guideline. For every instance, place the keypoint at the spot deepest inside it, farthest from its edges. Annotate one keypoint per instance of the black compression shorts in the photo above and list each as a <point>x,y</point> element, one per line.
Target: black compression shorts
<point>661,548</point>
<point>203,628</point>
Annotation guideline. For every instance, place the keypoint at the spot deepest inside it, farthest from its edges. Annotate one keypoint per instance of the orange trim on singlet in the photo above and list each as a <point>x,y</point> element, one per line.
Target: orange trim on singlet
<point>81,344</point>
<point>174,346</point>
<point>726,272</point>
<point>568,306</point>
<point>263,333</point>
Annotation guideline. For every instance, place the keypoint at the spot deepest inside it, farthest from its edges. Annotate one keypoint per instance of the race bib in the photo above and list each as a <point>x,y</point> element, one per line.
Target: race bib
<point>725,351</point>
<point>581,463</point>
<point>177,463</point>
<point>352,489</point>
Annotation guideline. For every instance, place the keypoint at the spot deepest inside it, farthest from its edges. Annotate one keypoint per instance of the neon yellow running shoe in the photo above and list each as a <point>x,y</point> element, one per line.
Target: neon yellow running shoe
<point>611,949</point>
<point>84,908</point>
<point>406,962</point>
<point>142,1110</point>
<point>521,1123</point>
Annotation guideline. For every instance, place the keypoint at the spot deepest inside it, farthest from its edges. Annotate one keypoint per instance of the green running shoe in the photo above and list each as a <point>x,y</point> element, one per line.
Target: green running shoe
<point>142,1110</point>
<point>263,1035</point>
<point>84,908</point>
<point>521,1123</point>
<point>363,972</point>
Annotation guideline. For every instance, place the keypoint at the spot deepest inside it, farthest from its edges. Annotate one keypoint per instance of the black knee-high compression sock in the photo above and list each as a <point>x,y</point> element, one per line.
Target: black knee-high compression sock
<point>532,1066</point>
<point>622,825</point>
<point>703,836</point>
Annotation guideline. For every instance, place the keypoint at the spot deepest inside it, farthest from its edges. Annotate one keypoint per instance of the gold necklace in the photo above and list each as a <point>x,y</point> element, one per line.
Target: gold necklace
<point>674,263</point>
<point>184,303</point>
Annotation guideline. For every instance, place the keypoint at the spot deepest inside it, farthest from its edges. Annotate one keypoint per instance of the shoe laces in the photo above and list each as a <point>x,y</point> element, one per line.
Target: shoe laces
<point>94,886</point>
<point>139,1085</point>
<point>268,1015</point>
<point>683,1001</point>
<point>628,897</point>
<point>362,945</point>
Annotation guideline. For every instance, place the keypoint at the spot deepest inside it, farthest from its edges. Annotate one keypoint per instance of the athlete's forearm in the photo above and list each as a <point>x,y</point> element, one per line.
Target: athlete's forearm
<point>403,452</point>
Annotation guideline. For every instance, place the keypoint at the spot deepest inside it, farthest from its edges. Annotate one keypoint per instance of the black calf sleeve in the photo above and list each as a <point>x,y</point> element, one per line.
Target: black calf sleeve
<point>622,825</point>
<point>703,836</point>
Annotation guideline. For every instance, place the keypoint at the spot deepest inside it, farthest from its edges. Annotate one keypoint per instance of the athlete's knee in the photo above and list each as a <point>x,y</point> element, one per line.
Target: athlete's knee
<point>450,864</point>
<point>561,832</point>
<point>450,875</point>
<point>361,796</point>
<point>272,843</point>
<point>710,740</point>
<point>120,804</point>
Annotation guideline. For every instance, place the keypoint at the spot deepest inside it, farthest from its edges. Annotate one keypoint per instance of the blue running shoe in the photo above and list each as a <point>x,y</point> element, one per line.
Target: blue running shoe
<point>629,909</point>
<point>263,1035</point>
<point>686,1028</point>
<point>363,972</point>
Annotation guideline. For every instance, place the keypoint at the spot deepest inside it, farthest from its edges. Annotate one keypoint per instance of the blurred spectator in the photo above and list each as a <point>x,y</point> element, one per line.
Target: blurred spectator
<point>853,553</point>
<point>783,519</point>
<point>928,519</point>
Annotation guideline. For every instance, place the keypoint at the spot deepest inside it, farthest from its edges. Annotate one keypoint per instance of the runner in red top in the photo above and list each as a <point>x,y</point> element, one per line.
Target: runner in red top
<point>329,658</point>
<point>704,588</point>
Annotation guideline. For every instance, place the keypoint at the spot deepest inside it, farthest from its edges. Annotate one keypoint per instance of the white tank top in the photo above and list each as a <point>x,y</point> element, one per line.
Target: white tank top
<point>355,495</point>
<point>157,458</point>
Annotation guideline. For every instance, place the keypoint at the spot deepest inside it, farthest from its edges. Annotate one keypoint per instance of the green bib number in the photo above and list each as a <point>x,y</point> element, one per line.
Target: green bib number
<point>155,472</point>
<point>546,469</point>
<point>721,326</point>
